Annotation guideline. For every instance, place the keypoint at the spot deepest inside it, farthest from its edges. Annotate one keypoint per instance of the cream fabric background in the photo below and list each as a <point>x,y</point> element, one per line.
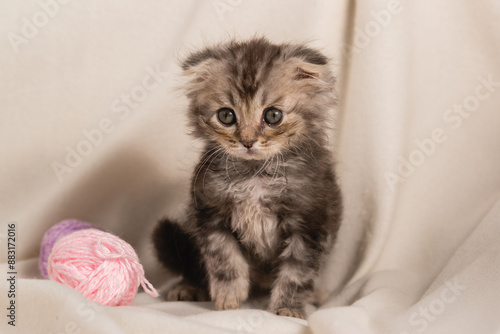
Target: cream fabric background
<point>417,147</point>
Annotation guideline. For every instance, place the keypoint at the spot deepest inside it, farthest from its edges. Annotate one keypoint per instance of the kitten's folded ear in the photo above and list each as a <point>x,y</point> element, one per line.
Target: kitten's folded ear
<point>199,57</point>
<point>198,68</point>
<point>304,71</point>
<point>310,66</point>
<point>312,75</point>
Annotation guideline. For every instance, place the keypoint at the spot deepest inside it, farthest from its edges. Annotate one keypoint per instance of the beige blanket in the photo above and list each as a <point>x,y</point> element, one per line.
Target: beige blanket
<point>92,127</point>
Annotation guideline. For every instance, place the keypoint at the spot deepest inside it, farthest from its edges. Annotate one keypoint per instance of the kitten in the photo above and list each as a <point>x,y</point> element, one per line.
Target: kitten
<point>265,204</point>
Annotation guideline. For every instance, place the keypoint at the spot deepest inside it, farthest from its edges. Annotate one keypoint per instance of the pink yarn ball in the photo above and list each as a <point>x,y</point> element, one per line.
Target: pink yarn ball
<point>99,265</point>
<point>55,233</point>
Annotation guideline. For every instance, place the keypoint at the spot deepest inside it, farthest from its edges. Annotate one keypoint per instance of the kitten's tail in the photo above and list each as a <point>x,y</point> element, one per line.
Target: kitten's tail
<point>176,249</point>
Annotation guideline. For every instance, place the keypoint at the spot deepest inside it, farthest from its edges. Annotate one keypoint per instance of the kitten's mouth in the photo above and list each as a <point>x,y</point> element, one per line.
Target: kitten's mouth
<point>252,154</point>
<point>249,153</point>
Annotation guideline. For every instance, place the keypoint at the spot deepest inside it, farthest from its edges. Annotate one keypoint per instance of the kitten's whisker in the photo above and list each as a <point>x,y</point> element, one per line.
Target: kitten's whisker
<point>208,167</point>
<point>204,158</point>
<point>226,165</point>
<point>270,165</point>
<point>271,179</point>
<point>261,168</point>
<point>279,163</point>
<point>205,155</point>
<point>200,167</point>
<point>285,185</point>
<point>195,142</point>
<point>308,152</point>
<point>275,169</point>
<point>234,166</point>
<point>302,152</point>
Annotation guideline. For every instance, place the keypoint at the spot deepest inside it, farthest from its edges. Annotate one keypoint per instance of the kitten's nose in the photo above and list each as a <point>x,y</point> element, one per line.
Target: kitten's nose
<point>248,143</point>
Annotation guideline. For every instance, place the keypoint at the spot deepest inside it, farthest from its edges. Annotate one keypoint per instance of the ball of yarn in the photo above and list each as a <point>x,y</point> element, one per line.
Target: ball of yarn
<point>99,265</point>
<point>55,233</point>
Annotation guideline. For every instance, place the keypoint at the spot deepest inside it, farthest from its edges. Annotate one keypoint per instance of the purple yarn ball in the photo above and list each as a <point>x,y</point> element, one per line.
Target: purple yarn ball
<point>53,234</point>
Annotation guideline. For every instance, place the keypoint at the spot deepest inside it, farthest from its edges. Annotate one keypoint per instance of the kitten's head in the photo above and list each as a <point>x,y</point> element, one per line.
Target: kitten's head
<point>256,99</point>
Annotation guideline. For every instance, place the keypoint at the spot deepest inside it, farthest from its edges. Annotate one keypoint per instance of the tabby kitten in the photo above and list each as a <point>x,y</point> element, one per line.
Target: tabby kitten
<point>265,205</point>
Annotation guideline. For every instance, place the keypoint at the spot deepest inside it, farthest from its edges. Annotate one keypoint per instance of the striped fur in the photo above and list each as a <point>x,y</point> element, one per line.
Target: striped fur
<point>264,216</point>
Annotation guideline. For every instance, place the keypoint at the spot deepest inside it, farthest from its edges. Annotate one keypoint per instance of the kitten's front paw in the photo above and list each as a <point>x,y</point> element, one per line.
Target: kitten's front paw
<point>289,312</point>
<point>187,292</point>
<point>227,303</point>
<point>229,295</point>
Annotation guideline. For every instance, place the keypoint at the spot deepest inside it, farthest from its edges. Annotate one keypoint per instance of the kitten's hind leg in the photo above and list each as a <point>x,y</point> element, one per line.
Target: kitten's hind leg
<point>184,291</point>
<point>178,252</point>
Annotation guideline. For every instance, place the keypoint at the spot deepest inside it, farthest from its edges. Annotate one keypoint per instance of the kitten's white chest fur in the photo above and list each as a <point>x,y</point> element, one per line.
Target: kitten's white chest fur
<point>252,219</point>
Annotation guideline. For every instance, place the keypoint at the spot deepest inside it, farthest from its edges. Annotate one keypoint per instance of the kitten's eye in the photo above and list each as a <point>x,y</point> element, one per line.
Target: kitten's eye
<point>273,116</point>
<point>226,116</point>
